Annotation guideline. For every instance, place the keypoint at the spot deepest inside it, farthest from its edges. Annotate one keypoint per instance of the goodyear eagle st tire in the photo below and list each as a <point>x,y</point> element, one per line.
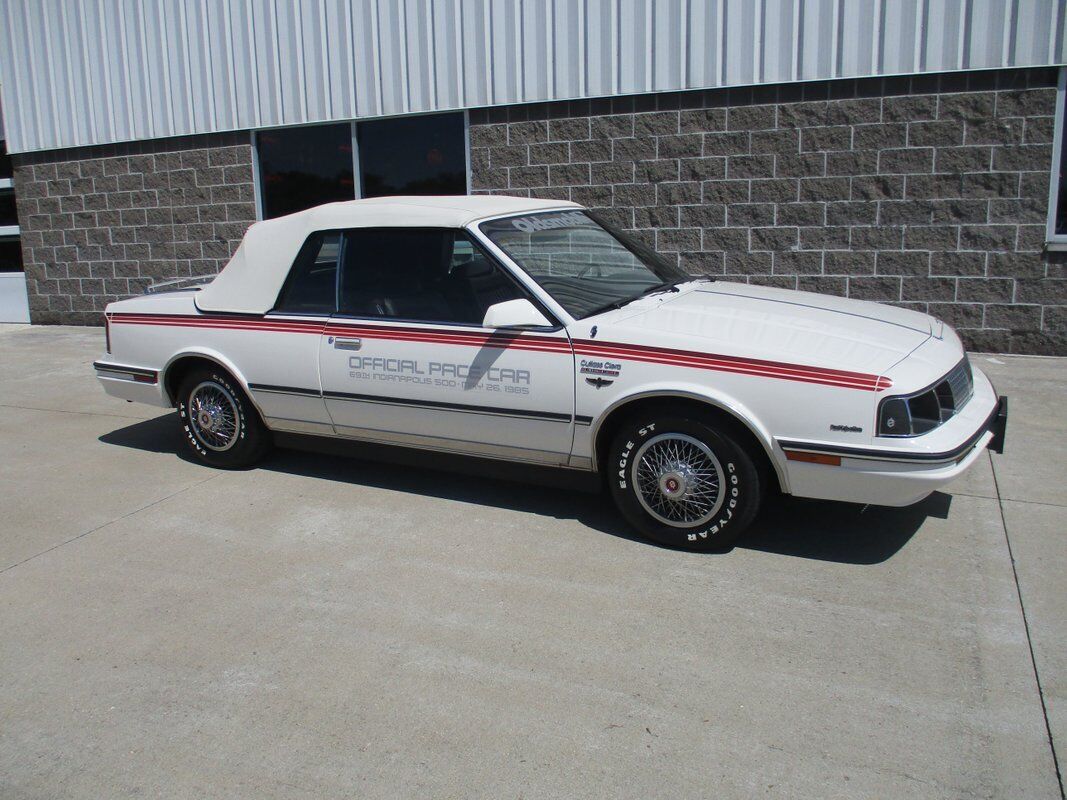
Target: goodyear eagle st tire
<point>682,482</point>
<point>219,424</point>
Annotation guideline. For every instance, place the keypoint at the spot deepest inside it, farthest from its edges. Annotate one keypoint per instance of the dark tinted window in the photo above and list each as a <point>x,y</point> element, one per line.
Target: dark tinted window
<point>1061,198</point>
<point>8,214</point>
<point>304,167</point>
<point>413,155</point>
<point>6,169</point>
<point>311,287</point>
<point>10,255</point>
<point>431,275</point>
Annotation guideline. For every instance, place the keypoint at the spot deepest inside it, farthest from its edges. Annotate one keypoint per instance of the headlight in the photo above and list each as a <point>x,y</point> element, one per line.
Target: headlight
<point>919,413</point>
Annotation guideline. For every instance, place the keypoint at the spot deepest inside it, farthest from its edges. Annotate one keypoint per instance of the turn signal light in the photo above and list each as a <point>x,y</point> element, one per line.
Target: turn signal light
<point>813,458</point>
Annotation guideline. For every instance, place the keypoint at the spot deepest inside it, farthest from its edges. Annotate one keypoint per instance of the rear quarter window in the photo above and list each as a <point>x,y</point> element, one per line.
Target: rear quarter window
<point>311,287</point>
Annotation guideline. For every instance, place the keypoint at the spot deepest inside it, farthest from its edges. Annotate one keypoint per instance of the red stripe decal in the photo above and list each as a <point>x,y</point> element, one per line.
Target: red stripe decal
<point>633,349</point>
<point>525,341</point>
<point>720,363</point>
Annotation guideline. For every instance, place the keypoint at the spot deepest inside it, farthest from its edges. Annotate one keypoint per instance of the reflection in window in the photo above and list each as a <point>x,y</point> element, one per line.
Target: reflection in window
<point>413,155</point>
<point>304,167</point>
<point>585,266</point>
<point>10,255</point>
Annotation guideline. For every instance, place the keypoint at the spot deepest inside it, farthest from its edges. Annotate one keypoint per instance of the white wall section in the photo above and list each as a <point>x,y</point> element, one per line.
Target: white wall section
<point>83,72</point>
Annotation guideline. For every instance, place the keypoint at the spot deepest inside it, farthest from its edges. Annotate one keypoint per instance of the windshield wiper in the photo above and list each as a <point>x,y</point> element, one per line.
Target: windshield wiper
<point>672,286</point>
<point>668,286</point>
<point>610,306</point>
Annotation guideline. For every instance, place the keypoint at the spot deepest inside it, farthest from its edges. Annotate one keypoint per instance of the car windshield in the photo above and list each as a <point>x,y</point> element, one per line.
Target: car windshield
<point>585,265</point>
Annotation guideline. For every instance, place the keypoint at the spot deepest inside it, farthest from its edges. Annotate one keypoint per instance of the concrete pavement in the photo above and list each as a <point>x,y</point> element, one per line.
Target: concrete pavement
<point>333,627</point>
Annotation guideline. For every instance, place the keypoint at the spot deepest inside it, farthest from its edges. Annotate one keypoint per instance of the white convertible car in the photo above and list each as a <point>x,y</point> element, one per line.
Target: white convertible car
<point>528,330</point>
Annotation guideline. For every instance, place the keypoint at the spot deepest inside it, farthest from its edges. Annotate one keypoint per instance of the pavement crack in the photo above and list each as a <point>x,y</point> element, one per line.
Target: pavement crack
<point>1034,502</point>
<point>977,496</point>
<point>1026,628</point>
<point>83,534</point>
<point>69,411</point>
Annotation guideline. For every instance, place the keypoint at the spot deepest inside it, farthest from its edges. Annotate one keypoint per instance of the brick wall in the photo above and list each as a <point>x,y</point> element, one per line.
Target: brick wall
<point>929,192</point>
<point>103,223</point>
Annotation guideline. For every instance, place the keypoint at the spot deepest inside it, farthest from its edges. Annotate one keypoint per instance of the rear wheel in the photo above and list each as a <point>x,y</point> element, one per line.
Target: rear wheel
<point>683,482</point>
<point>220,425</point>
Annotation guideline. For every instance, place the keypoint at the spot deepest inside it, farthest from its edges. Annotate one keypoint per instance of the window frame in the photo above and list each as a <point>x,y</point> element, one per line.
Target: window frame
<point>634,246</point>
<point>554,323</point>
<point>357,189</point>
<point>257,178</point>
<point>1056,241</point>
<point>8,190</point>
<point>17,241</point>
<point>11,233</point>
<point>336,280</point>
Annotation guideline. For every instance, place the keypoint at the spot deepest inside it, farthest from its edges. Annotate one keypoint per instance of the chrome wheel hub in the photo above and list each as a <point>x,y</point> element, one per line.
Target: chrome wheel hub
<point>673,484</point>
<point>213,416</point>
<point>678,479</point>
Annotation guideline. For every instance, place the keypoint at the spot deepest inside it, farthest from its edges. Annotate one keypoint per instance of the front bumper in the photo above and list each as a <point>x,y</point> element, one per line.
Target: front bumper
<point>999,428</point>
<point>881,477</point>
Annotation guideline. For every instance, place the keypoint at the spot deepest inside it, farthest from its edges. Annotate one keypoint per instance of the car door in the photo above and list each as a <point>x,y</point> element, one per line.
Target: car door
<point>281,361</point>
<point>406,359</point>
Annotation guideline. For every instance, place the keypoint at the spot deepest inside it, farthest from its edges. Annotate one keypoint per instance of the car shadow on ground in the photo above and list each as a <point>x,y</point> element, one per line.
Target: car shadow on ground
<point>836,532</point>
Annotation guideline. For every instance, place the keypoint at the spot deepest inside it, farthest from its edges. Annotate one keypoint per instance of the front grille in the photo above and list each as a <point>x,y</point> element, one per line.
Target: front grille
<point>960,383</point>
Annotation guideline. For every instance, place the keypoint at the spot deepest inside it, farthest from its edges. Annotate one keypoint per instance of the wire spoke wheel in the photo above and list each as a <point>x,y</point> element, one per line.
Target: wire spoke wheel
<point>213,416</point>
<point>678,479</point>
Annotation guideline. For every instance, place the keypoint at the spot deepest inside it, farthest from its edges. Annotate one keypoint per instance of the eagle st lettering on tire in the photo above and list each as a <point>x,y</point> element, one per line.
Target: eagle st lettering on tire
<point>629,446</point>
<point>684,482</point>
<point>219,423</point>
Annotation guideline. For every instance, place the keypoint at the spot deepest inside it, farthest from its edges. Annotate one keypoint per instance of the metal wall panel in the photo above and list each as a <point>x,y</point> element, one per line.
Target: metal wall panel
<point>81,72</point>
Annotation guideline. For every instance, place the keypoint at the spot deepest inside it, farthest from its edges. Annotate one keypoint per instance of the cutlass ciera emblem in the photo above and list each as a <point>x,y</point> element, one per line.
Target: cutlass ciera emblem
<point>598,383</point>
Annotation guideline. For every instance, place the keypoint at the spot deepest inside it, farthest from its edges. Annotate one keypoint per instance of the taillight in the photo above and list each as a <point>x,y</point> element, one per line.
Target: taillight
<point>107,334</point>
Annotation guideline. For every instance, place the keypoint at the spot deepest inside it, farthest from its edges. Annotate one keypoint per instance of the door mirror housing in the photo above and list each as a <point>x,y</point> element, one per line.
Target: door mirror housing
<point>519,313</point>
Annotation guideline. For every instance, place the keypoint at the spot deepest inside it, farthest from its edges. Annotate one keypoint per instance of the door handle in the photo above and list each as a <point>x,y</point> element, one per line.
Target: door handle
<point>348,344</point>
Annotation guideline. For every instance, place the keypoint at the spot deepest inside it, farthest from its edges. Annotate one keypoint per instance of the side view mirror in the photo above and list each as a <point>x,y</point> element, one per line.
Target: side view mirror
<point>514,314</point>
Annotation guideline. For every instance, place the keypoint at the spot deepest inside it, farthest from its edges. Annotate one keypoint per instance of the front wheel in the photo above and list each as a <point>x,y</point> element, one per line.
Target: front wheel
<point>219,423</point>
<point>683,482</point>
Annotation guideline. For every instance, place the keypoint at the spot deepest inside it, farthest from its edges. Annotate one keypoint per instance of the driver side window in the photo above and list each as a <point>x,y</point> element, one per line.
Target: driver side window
<point>428,275</point>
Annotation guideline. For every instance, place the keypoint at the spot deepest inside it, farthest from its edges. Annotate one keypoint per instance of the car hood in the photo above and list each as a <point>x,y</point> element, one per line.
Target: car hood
<point>775,324</point>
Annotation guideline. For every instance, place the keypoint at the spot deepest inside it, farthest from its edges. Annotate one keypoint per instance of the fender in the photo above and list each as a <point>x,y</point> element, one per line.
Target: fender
<point>217,357</point>
<point>715,399</point>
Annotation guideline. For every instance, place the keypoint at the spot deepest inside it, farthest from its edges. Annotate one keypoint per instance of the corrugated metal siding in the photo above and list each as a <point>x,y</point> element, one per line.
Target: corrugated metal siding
<point>80,72</point>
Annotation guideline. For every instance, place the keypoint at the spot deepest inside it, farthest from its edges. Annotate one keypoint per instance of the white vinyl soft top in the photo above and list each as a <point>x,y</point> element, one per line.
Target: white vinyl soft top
<point>250,282</point>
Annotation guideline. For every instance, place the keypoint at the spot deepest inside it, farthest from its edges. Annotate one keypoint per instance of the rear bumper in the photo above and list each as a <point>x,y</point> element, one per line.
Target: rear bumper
<point>136,384</point>
<point>869,476</point>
